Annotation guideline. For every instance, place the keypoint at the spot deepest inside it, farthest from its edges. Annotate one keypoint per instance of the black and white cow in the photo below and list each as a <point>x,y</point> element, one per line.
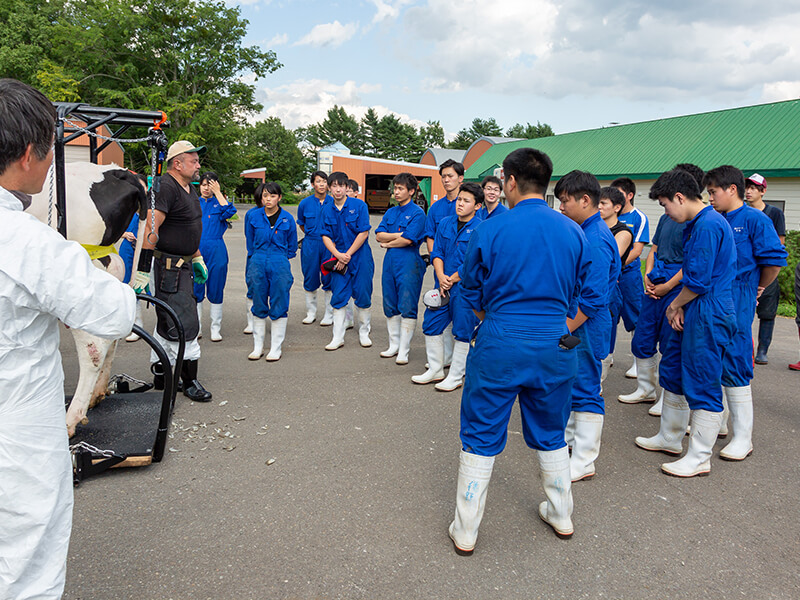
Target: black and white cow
<point>101,201</point>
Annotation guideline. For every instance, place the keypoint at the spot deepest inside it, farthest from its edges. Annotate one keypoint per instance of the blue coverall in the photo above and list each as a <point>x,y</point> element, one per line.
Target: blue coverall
<point>484,213</point>
<point>403,268</point>
<point>439,210</point>
<point>342,227</point>
<point>268,252</point>
<point>126,249</point>
<point>631,287</point>
<point>213,250</point>
<point>709,268</point>
<point>523,268</point>
<point>757,245</point>
<point>450,245</point>
<point>313,253</point>
<point>593,302</point>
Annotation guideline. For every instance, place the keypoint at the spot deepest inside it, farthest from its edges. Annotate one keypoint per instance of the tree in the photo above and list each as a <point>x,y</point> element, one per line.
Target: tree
<point>184,57</point>
<point>397,140</point>
<point>479,128</point>
<point>432,136</point>
<point>338,126</point>
<point>529,131</point>
<point>269,144</point>
<point>369,132</point>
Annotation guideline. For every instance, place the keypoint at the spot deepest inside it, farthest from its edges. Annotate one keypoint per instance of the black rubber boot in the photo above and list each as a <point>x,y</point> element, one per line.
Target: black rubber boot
<point>764,339</point>
<point>192,388</point>
<point>157,369</point>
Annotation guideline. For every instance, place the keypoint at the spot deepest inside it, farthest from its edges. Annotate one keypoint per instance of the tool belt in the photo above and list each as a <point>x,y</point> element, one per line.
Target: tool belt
<point>174,283</point>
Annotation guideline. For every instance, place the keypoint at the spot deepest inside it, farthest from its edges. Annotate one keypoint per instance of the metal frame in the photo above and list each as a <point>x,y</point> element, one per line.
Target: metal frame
<point>95,117</point>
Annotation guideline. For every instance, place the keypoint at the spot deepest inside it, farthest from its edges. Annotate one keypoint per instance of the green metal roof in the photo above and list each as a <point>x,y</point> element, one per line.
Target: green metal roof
<point>761,138</point>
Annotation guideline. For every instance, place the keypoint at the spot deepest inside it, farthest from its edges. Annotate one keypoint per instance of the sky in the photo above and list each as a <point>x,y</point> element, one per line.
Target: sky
<point>572,64</point>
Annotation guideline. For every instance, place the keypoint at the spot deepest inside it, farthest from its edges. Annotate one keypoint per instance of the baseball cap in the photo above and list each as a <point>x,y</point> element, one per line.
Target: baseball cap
<point>436,298</point>
<point>757,179</point>
<point>182,147</point>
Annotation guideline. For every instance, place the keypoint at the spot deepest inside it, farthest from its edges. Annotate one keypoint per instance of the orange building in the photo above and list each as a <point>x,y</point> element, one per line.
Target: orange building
<point>77,150</point>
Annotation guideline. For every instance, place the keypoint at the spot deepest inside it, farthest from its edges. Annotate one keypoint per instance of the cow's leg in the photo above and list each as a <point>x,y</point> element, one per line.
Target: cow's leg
<point>101,387</point>
<point>92,352</point>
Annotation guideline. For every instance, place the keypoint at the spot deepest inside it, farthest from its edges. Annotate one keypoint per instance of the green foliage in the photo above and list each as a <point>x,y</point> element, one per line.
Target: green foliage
<point>338,126</point>
<point>529,131</point>
<point>184,57</point>
<point>269,144</point>
<point>479,128</point>
<point>432,136</point>
<point>787,309</point>
<point>786,276</point>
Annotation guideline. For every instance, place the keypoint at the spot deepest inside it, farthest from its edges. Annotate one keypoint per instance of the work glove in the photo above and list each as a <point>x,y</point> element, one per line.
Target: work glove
<point>200,270</point>
<point>141,282</point>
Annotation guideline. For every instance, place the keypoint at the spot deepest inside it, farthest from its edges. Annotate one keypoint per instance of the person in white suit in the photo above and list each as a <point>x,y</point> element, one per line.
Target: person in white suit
<point>44,279</point>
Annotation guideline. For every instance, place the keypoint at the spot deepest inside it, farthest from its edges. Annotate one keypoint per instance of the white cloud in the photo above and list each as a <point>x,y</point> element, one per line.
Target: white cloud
<point>631,49</point>
<point>780,90</point>
<point>329,34</point>
<point>279,39</point>
<point>306,101</point>
<point>388,9</point>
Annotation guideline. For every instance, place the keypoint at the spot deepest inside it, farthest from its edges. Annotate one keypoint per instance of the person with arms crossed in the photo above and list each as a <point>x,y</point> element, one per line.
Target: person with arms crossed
<point>521,273</point>
<point>400,233</point>
<point>44,279</point>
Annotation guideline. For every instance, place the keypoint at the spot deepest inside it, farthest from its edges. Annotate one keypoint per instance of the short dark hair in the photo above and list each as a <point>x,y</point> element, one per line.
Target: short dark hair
<point>613,195</point>
<point>725,176</point>
<point>695,172</point>
<point>626,185</point>
<point>258,194</point>
<point>273,187</point>
<point>491,179</point>
<point>530,168</point>
<point>576,184</point>
<point>474,189</point>
<point>676,181</point>
<point>316,174</point>
<point>338,177</point>
<point>209,176</point>
<point>28,119</point>
<point>352,185</point>
<point>408,180</point>
<point>750,183</point>
<point>455,165</point>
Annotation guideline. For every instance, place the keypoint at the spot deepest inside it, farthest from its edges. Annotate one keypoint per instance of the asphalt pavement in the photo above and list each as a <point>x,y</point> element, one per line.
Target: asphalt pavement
<point>361,490</point>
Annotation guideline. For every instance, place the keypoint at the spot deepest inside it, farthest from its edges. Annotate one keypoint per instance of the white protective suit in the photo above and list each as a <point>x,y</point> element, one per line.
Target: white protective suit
<point>43,279</point>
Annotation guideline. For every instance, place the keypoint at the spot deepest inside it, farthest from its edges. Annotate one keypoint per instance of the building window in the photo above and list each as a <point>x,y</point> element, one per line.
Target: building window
<point>777,204</point>
<point>551,200</point>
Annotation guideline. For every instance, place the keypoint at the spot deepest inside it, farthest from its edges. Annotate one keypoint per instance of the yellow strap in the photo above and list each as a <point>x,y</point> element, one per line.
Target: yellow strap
<point>96,252</point>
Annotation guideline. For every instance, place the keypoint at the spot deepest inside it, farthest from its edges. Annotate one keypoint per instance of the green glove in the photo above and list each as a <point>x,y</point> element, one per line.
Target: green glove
<point>200,270</point>
<point>141,282</point>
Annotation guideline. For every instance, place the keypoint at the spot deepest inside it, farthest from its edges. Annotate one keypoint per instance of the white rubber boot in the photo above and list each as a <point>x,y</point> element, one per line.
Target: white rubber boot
<point>277,335</point>
<point>338,329</point>
<point>633,372</point>
<point>327,318</point>
<point>569,432</point>
<point>349,321</point>
<point>474,473</point>
<point>674,418</point>
<point>586,447</point>
<point>434,348</point>
<point>556,511</point>
<point>723,429</point>
<point>449,343</point>
<point>363,315</point>
<point>655,410</point>
<point>216,322</point>
<point>646,381</point>
<point>137,321</point>
<point>249,327</point>
<point>607,362</point>
<point>458,367</point>
<point>740,403</point>
<point>393,325</point>
<point>200,320</point>
<point>407,327</point>
<point>311,307</point>
<point>259,333</point>
<point>697,460</point>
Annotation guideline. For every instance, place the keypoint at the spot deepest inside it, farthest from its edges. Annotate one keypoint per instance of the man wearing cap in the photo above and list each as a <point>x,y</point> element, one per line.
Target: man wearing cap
<point>754,188</point>
<point>171,243</point>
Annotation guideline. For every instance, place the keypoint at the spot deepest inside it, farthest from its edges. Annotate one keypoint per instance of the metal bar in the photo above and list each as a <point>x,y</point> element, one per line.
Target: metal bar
<point>58,156</point>
<point>114,134</point>
<point>122,112</point>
